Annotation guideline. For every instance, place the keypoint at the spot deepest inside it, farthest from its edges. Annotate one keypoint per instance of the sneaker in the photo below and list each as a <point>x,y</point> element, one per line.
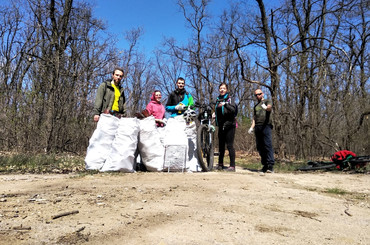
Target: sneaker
<point>230,169</point>
<point>220,167</point>
<point>264,169</point>
<point>269,171</point>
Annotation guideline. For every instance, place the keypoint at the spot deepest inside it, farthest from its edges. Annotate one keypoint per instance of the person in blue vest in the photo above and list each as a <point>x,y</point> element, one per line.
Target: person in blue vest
<point>179,100</point>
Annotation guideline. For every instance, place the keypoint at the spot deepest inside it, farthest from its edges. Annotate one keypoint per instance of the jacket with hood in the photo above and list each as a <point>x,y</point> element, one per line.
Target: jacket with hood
<point>177,97</point>
<point>225,115</point>
<point>105,98</point>
<point>155,108</point>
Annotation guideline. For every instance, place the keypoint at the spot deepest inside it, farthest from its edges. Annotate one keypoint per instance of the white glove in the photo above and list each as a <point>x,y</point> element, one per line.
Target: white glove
<point>221,104</point>
<point>179,107</point>
<point>264,106</point>
<point>250,131</point>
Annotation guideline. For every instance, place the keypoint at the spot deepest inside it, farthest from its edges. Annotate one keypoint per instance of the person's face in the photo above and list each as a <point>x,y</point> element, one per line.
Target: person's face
<point>180,84</point>
<point>259,95</point>
<point>222,89</point>
<point>158,96</point>
<point>117,76</point>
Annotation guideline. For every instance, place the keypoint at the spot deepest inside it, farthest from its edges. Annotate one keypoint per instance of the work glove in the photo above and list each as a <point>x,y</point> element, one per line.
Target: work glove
<point>264,106</point>
<point>179,107</point>
<point>250,131</point>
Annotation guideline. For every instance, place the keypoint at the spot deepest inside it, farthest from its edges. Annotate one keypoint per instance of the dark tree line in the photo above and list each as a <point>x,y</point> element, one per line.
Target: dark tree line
<point>310,57</point>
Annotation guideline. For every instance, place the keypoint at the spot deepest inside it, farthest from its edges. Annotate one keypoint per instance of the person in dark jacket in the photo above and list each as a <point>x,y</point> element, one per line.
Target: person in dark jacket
<point>225,113</point>
<point>110,97</point>
<point>179,100</point>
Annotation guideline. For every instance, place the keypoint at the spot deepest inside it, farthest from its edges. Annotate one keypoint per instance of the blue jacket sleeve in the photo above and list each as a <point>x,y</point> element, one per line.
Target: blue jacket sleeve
<point>170,108</point>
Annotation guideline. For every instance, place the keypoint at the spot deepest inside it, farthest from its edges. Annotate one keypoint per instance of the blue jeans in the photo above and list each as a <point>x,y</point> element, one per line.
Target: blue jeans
<point>264,145</point>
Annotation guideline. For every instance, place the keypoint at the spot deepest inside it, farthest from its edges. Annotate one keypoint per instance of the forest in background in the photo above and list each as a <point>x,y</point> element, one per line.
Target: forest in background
<point>310,57</point>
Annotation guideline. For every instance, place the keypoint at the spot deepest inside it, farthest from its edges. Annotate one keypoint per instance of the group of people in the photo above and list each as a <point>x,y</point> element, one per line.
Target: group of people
<point>110,99</point>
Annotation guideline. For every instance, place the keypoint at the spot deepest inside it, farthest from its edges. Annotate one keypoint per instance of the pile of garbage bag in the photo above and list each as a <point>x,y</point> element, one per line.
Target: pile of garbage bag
<point>117,143</point>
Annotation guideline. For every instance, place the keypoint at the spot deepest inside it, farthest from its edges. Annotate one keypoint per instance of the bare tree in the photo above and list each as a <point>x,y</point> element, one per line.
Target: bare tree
<point>14,44</point>
<point>57,65</point>
<point>311,56</point>
<point>169,68</point>
<point>138,79</point>
<point>194,53</point>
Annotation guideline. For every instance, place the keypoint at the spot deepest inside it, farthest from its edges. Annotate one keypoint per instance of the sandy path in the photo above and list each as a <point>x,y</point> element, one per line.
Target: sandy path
<point>185,208</point>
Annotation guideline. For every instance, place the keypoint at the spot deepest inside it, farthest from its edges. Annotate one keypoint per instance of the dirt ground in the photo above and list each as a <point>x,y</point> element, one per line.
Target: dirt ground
<point>185,208</point>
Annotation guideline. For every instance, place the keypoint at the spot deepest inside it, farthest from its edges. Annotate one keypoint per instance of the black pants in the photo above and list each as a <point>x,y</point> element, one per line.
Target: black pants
<point>264,145</point>
<point>226,137</point>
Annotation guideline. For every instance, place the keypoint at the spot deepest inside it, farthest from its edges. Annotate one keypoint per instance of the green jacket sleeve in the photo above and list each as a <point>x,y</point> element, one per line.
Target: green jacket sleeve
<point>99,99</point>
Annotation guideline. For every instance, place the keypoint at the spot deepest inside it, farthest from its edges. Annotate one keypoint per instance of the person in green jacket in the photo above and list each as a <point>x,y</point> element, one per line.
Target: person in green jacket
<point>110,97</point>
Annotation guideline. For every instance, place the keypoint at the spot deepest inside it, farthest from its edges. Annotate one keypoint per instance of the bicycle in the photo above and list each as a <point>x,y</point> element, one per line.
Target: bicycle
<point>317,165</point>
<point>353,163</point>
<point>350,163</point>
<point>205,134</point>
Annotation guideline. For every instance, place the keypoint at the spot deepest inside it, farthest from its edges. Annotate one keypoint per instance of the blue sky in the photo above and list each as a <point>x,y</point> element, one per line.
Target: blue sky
<point>158,18</point>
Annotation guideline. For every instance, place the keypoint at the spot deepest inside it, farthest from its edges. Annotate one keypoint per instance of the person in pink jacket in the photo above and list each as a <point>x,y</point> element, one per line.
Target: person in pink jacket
<point>156,108</point>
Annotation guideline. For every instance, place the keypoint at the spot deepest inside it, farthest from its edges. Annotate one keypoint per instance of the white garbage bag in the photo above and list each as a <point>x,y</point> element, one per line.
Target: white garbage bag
<point>150,147</point>
<point>175,131</point>
<point>100,143</point>
<point>192,156</point>
<point>176,145</point>
<point>122,154</point>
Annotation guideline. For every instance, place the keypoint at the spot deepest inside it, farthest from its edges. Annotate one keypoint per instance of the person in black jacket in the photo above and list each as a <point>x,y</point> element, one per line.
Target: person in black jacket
<point>179,99</point>
<point>225,113</point>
